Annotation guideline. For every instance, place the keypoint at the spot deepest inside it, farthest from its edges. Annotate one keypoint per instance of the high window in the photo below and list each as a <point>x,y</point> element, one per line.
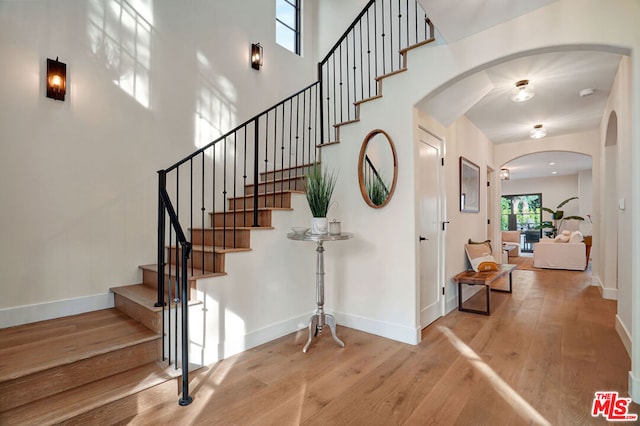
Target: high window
<point>288,24</point>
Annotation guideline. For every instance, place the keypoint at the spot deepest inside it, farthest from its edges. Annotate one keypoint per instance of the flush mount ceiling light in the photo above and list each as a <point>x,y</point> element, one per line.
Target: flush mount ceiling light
<point>505,174</point>
<point>523,91</point>
<point>538,132</point>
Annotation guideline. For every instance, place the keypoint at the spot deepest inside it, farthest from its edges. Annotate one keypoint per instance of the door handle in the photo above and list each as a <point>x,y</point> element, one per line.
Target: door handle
<point>444,224</point>
<point>423,238</point>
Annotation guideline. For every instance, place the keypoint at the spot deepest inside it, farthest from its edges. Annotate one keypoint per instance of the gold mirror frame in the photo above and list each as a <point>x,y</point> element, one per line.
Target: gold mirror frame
<point>361,165</point>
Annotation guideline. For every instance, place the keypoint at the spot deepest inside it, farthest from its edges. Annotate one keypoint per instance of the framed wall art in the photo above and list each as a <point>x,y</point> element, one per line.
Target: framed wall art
<point>469,186</point>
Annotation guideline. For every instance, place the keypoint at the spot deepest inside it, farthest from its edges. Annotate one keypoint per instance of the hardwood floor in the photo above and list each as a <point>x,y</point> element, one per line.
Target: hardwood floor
<point>538,359</point>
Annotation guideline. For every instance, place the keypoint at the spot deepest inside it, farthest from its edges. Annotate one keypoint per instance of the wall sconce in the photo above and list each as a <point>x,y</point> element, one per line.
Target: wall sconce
<point>505,174</point>
<point>56,79</point>
<point>256,56</point>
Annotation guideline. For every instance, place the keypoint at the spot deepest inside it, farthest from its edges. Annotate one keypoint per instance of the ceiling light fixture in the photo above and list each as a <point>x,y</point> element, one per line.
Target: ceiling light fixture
<point>586,92</point>
<point>523,91</point>
<point>538,132</point>
<point>505,174</point>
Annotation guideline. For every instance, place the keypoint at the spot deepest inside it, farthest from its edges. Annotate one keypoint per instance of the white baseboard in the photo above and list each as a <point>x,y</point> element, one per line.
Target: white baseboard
<point>211,352</point>
<point>400,333</point>
<point>595,281</point>
<point>634,388</point>
<point>26,314</point>
<point>624,335</point>
<point>609,293</point>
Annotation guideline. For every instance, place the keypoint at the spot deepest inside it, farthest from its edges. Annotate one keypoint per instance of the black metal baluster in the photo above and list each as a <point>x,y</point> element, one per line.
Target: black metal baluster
<point>361,65</point>
<point>391,55</point>
<point>346,71</point>
<point>384,62</point>
<point>275,142</point>
<point>335,118</point>
<point>266,160</point>
<point>235,195</point>
<point>224,193</point>
<point>290,131</point>
<point>202,207</point>
<point>375,43</point>
<point>244,177</point>
<point>190,201</point>
<point>295,173</point>
<point>304,117</point>
<point>416,19</point>
<point>282,148</point>
<point>340,84</point>
<point>256,129</point>
<point>355,68</point>
<point>368,55</point>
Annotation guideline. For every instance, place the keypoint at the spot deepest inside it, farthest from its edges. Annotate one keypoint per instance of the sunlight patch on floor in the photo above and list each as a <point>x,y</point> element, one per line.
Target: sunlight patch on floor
<point>501,387</point>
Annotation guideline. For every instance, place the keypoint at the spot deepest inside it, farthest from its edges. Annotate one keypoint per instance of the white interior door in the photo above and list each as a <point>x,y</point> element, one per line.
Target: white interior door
<point>429,222</point>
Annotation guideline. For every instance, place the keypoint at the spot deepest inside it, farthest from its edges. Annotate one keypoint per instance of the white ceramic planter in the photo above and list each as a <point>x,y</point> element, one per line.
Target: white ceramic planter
<point>319,225</point>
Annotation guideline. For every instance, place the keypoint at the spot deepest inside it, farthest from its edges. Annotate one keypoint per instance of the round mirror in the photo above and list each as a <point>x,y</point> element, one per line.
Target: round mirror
<point>377,168</point>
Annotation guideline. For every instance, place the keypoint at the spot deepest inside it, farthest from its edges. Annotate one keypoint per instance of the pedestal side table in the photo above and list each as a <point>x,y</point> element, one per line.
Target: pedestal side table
<point>319,319</point>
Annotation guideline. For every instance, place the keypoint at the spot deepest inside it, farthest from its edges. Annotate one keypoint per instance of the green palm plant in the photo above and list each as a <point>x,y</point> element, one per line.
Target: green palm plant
<point>557,217</point>
<point>319,188</point>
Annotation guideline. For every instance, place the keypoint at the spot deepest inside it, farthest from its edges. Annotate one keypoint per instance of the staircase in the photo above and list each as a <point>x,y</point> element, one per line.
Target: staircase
<point>90,368</point>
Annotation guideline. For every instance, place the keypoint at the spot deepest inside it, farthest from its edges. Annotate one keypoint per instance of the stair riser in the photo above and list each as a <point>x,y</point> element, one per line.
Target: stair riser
<point>282,200</point>
<point>150,278</point>
<point>39,385</point>
<point>212,262</point>
<point>280,185</point>
<point>123,410</point>
<point>242,218</point>
<point>150,319</point>
<point>222,238</point>
<point>285,174</point>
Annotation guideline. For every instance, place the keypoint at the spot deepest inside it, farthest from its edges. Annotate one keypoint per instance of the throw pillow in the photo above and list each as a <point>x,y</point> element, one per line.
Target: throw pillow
<point>561,239</point>
<point>487,242</point>
<point>480,258</point>
<point>576,237</point>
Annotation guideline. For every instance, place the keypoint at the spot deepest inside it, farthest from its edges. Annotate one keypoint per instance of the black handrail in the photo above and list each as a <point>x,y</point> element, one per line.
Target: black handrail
<point>182,285</point>
<point>371,173</point>
<point>285,139</point>
<point>349,74</point>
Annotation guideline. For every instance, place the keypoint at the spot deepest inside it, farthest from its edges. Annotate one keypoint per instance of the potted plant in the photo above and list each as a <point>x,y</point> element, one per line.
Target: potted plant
<point>319,187</point>
<point>557,217</point>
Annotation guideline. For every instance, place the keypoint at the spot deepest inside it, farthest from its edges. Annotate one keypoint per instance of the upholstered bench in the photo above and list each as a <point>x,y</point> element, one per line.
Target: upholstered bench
<point>483,278</point>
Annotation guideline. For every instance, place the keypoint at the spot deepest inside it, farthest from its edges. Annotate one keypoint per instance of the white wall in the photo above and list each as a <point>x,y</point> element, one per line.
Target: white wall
<point>78,178</point>
<point>618,276</point>
<point>334,17</point>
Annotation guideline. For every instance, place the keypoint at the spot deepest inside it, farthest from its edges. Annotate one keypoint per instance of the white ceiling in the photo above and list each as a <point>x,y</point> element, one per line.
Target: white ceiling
<point>558,78</point>
<point>547,164</point>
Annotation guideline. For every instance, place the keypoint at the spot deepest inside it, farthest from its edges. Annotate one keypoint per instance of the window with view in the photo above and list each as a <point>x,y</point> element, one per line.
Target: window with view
<point>521,212</point>
<point>288,24</point>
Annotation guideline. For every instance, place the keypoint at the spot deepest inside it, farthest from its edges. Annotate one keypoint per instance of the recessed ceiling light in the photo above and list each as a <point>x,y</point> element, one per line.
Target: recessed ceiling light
<point>523,91</point>
<point>538,132</point>
<point>554,173</point>
<point>552,163</point>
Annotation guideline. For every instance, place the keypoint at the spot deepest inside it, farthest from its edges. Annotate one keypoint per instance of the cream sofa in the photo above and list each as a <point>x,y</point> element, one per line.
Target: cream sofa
<point>512,238</point>
<point>552,255</point>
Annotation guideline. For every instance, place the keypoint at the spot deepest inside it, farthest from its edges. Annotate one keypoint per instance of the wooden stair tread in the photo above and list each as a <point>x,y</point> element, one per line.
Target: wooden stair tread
<point>415,46</point>
<point>344,123</point>
<point>207,274</point>
<point>218,250</point>
<point>372,98</point>
<point>68,344</point>
<point>143,295</point>
<point>389,74</point>
<point>73,402</point>
<point>272,193</point>
<point>249,209</point>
